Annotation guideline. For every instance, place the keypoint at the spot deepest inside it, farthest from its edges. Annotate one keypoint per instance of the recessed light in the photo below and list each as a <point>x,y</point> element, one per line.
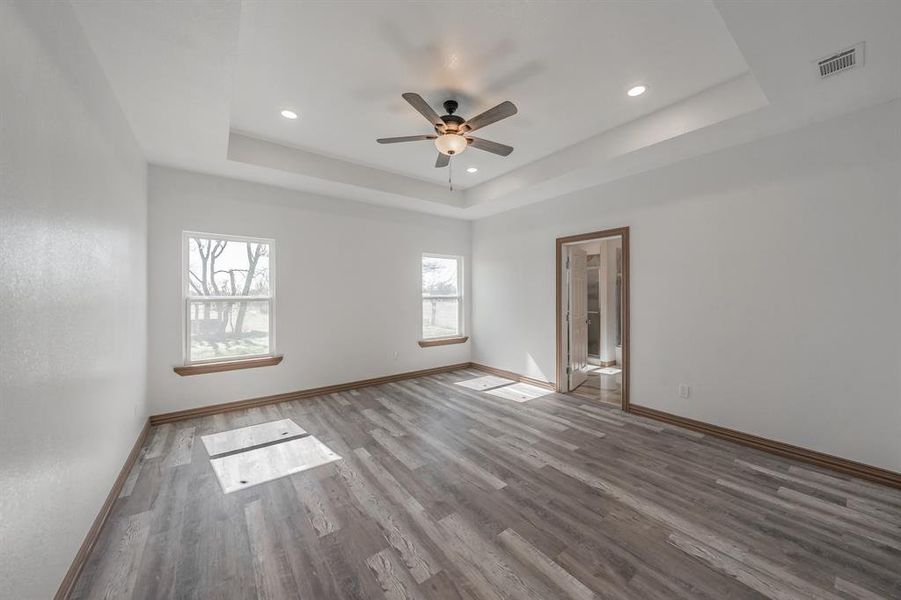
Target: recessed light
<point>472,170</point>
<point>289,114</point>
<point>638,90</point>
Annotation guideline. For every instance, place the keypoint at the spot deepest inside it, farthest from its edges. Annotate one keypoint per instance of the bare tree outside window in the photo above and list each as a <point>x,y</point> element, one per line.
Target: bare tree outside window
<point>229,297</point>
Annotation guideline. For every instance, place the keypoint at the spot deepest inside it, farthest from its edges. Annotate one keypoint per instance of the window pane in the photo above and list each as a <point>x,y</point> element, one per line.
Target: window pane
<point>227,268</point>
<point>439,317</point>
<point>229,329</point>
<point>439,276</point>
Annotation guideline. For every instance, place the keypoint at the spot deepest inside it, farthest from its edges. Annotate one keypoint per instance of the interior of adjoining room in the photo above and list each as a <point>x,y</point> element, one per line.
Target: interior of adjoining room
<point>604,341</point>
<point>592,316</point>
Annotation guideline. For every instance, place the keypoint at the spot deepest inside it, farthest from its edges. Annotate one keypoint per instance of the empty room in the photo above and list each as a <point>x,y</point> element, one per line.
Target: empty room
<point>413,300</point>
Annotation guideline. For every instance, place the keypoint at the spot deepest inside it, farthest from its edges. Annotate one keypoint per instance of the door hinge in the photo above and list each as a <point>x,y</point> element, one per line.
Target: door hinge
<point>567,262</point>
<point>568,370</point>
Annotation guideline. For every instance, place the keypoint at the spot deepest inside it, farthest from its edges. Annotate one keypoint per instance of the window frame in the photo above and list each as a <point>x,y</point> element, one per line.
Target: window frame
<point>461,325</point>
<point>187,298</point>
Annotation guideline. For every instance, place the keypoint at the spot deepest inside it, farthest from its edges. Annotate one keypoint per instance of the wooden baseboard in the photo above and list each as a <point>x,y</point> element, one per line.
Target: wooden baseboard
<point>819,459</point>
<point>863,471</point>
<point>81,557</point>
<point>213,409</point>
<point>514,376</point>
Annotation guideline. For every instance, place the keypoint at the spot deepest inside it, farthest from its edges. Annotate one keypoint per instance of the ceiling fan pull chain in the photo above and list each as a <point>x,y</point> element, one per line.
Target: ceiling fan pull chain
<point>450,173</point>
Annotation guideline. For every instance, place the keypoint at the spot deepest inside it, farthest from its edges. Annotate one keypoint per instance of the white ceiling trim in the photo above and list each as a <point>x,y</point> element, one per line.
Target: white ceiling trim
<point>583,165</point>
<point>568,170</point>
<point>173,67</point>
<point>254,151</point>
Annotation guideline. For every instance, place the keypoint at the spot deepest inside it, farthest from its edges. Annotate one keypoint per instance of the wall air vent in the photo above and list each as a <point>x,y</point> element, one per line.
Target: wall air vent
<point>841,61</point>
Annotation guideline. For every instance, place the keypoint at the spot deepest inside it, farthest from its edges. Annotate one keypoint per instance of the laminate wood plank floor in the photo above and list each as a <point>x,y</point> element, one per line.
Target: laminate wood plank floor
<point>448,492</point>
<point>591,390</point>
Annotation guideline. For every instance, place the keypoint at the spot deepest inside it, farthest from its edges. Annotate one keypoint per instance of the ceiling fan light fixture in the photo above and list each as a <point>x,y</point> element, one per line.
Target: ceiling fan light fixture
<point>451,144</point>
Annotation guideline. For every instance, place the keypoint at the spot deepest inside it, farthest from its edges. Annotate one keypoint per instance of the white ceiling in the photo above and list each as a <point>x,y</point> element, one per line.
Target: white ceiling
<point>343,66</point>
<point>202,83</point>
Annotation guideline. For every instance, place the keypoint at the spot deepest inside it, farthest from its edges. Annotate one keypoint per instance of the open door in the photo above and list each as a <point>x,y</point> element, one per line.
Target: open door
<point>577,316</point>
<point>573,368</point>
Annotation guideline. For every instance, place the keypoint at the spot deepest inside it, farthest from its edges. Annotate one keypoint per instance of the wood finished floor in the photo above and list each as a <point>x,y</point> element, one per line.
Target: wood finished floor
<point>444,492</point>
<point>591,390</point>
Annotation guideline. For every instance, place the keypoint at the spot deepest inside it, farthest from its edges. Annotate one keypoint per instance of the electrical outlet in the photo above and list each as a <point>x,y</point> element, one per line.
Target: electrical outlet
<point>684,390</point>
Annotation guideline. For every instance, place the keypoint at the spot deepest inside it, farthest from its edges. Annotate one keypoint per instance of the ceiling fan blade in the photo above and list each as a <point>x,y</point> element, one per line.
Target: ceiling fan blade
<point>424,109</point>
<point>492,115</point>
<point>406,138</point>
<point>442,161</point>
<point>489,146</point>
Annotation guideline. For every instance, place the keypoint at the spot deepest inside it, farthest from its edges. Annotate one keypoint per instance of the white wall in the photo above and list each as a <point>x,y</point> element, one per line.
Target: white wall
<point>607,297</point>
<point>348,277</point>
<point>73,215</point>
<point>766,276</point>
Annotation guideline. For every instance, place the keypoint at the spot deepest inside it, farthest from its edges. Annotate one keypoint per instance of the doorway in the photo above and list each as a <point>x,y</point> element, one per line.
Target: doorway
<point>593,316</point>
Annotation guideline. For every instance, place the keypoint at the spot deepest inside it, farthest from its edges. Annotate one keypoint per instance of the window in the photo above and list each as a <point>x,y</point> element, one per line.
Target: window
<point>442,296</point>
<point>229,298</point>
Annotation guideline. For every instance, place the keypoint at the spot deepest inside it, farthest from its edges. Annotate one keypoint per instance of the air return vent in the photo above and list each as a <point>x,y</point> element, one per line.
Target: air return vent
<point>841,61</point>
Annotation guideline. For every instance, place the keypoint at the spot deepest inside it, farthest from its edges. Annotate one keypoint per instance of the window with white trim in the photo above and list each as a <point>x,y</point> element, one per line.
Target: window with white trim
<point>442,296</point>
<point>229,297</point>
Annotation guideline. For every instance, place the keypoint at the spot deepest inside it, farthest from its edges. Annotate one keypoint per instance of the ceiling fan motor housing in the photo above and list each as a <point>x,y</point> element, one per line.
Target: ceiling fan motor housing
<point>452,122</point>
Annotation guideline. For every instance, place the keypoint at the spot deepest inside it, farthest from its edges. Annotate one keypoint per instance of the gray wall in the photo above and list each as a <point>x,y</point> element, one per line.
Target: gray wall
<point>73,291</point>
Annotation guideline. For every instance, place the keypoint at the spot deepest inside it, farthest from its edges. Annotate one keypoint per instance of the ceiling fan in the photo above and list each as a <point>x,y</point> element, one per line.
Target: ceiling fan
<point>452,131</point>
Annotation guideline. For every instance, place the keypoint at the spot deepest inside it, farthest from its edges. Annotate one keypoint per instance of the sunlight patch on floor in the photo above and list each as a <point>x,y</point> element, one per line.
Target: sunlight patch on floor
<point>485,383</point>
<point>247,469</point>
<point>249,437</point>
<point>519,392</point>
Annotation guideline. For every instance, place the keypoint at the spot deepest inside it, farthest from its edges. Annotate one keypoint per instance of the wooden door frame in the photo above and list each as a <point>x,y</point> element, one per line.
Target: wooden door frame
<point>623,233</point>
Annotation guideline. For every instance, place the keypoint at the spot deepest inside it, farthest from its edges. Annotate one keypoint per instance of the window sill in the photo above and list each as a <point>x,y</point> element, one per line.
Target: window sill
<point>232,365</point>
<point>442,342</point>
